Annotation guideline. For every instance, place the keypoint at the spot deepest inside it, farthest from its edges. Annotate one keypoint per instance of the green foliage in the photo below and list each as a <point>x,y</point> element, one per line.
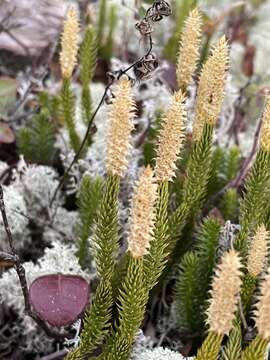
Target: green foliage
<point>68,109</point>
<point>224,168</point>
<point>187,290</point>
<point>198,170</point>
<point>183,8</point>
<point>96,322</point>
<point>37,143</point>
<point>215,179</point>
<point>149,152</point>
<point>132,300</point>
<point>98,316</point>
<point>254,204</point>
<point>107,50</point>
<point>120,273</point>
<point>232,350</point>
<point>51,103</point>
<point>101,21</point>
<point>232,164</point>
<point>88,58</point>
<point>88,202</point>
<point>194,277</point>
<point>210,347</point>
<point>229,206</point>
<point>106,234</point>
<point>206,246</point>
<point>195,183</point>
<point>247,291</point>
<point>255,350</point>
<point>155,260</point>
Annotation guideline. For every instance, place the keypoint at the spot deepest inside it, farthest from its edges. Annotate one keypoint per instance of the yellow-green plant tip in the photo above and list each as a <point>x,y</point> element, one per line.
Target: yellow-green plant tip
<point>211,88</point>
<point>265,130</point>
<point>171,137</point>
<point>258,251</point>
<point>142,214</point>
<point>256,350</point>
<point>189,47</point>
<point>210,347</point>
<point>69,43</point>
<point>120,126</point>
<point>224,294</point>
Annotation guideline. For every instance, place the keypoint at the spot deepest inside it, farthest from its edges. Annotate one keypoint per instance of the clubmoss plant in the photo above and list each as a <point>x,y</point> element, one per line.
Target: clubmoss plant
<point>88,57</point>
<point>88,202</point>
<point>36,143</point>
<point>253,207</point>
<point>207,108</point>
<point>193,279</point>
<point>223,305</point>
<point>106,237</point>
<point>133,293</point>
<point>68,60</point>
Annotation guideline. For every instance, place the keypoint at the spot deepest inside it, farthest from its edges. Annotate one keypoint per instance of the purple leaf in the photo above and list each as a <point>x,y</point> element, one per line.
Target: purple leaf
<point>59,299</point>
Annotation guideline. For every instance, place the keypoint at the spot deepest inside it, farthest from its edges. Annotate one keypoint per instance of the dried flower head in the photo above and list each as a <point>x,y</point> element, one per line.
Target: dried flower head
<point>262,313</point>
<point>211,88</point>
<point>171,138</point>
<point>224,294</point>
<point>142,214</point>
<point>189,49</point>
<point>265,130</point>
<point>118,137</point>
<point>69,43</point>
<point>258,251</point>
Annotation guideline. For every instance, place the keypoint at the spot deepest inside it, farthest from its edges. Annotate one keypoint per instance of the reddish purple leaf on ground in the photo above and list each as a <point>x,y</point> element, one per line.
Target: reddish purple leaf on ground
<point>6,134</point>
<point>59,299</point>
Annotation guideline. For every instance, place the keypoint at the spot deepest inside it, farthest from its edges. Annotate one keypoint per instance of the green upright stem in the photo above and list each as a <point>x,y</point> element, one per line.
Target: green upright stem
<point>254,205</point>
<point>132,301</point>
<point>98,317</point>
<point>194,187</point>
<point>247,291</point>
<point>68,107</point>
<point>155,261</point>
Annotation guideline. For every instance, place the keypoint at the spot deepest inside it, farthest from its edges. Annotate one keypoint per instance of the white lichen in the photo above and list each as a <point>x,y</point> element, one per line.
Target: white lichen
<point>160,353</point>
<point>16,210</point>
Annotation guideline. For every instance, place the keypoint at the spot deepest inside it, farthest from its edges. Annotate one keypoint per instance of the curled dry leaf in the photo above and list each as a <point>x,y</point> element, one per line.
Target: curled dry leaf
<point>6,134</point>
<point>59,299</point>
